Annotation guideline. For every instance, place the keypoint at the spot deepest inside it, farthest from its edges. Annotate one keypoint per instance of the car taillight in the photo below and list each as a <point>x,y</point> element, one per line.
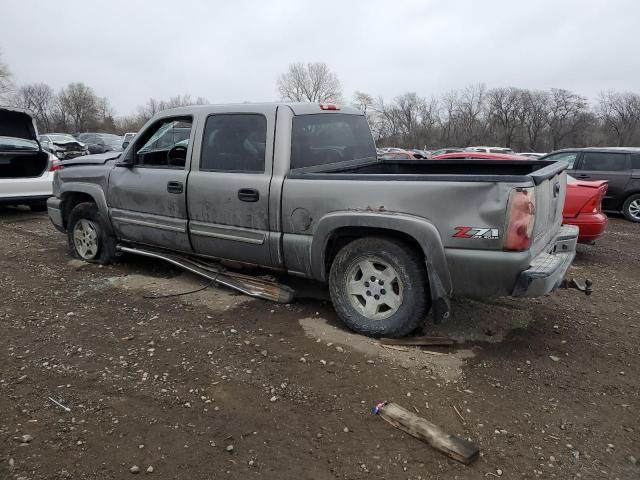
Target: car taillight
<point>329,106</point>
<point>521,216</point>
<point>594,205</point>
<point>55,165</point>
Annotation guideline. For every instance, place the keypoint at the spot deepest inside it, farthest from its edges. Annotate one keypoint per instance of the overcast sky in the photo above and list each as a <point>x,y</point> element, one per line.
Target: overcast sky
<point>232,51</point>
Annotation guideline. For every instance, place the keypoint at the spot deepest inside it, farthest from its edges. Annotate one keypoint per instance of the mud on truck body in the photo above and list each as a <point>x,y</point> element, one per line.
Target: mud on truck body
<point>298,188</point>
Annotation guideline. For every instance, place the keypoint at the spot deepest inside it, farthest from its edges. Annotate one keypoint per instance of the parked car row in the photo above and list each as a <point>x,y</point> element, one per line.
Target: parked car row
<point>414,153</point>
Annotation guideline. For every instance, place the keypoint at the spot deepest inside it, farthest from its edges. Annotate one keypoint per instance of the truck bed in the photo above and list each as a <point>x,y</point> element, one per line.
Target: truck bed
<point>516,171</point>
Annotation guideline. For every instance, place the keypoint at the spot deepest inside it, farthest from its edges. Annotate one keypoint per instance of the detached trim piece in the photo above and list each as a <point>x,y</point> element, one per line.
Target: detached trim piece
<point>252,286</point>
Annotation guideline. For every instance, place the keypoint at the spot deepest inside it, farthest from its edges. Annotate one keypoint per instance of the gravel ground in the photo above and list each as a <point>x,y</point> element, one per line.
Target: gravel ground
<point>217,385</point>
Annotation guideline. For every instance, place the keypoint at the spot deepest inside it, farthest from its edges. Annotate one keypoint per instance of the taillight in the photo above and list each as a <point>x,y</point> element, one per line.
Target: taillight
<point>329,106</point>
<point>521,216</point>
<point>594,205</point>
<point>55,165</point>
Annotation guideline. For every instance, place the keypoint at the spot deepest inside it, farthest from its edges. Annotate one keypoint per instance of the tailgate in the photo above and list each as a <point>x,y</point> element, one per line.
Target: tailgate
<point>550,192</point>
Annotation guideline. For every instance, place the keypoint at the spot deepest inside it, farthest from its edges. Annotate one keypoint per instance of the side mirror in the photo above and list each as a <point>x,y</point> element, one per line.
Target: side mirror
<point>126,163</point>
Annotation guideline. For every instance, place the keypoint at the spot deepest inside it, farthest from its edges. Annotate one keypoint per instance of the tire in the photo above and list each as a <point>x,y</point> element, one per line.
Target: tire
<point>631,208</point>
<point>362,272</point>
<point>38,207</point>
<point>94,245</point>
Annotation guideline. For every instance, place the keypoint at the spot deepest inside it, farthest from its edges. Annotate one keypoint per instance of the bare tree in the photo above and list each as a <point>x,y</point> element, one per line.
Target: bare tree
<point>363,102</point>
<point>469,114</point>
<point>620,114</point>
<point>564,117</point>
<point>5,78</point>
<point>78,105</point>
<point>311,82</point>
<point>39,99</point>
<point>533,117</point>
<point>505,107</point>
<point>134,122</point>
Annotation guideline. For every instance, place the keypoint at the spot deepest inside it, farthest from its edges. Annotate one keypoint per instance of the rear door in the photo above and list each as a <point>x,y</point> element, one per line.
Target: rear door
<point>147,200</point>
<point>228,192</point>
<point>612,166</point>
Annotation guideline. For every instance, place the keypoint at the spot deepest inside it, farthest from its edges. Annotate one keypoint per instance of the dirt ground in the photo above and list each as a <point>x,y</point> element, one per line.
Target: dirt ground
<point>217,385</point>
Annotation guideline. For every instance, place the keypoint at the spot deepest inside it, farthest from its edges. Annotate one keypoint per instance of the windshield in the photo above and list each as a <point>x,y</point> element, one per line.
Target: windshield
<point>13,143</point>
<point>112,140</point>
<point>322,139</point>
<point>167,136</point>
<point>62,138</point>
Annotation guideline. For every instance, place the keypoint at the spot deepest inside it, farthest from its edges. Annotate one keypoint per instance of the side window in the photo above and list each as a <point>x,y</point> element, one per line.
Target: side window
<point>567,157</point>
<point>164,144</point>
<point>635,161</point>
<point>234,143</point>
<point>604,161</point>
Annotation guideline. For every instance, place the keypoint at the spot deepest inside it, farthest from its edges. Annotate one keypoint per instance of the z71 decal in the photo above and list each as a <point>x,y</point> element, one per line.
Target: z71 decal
<point>477,232</point>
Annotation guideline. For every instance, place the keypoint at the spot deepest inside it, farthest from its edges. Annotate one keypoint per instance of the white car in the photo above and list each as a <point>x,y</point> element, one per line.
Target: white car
<point>26,170</point>
<point>532,154</point>
<point>489,149</point>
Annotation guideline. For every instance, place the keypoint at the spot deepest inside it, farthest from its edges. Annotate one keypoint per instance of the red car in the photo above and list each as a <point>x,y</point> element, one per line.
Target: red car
<point>582,204</point>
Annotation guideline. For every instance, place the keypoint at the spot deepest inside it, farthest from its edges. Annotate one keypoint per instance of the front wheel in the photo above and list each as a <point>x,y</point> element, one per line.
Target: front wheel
<point>631,208</point>
<point>379,287</point>
<point>87,235</point>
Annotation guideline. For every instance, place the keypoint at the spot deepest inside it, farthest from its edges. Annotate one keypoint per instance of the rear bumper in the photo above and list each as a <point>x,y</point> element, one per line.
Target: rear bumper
<point>54,209</point>
<point>591,225</point>
<point>548,269</point>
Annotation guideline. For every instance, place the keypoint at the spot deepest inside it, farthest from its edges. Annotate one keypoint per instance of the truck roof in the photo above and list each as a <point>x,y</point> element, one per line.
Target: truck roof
<point>298,108</point>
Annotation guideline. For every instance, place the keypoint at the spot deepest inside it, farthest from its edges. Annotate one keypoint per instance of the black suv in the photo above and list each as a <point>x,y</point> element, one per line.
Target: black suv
<point>619,165</point>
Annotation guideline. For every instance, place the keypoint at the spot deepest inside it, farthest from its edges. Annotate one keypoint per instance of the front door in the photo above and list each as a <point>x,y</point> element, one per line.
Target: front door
<point>611,166</point>
<point>147,198</point>
<point>228,194</point>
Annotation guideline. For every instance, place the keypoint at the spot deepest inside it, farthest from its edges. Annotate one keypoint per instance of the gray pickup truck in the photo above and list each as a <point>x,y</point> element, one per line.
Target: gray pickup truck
<point>298,188</point>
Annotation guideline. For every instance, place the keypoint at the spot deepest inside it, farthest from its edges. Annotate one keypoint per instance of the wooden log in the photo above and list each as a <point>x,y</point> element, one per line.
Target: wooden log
<point>419,341</point>
<point>452,446</point>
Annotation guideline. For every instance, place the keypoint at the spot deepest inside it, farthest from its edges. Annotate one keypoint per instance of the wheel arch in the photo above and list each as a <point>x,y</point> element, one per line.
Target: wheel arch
<point>336,229</point>
<point>76,193</point>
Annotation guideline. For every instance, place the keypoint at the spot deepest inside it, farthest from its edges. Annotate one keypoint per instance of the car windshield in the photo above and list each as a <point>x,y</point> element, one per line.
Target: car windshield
<point>167,136</point>
<point>112,140</point>
<point>13,143</point>
<point>62,138</point>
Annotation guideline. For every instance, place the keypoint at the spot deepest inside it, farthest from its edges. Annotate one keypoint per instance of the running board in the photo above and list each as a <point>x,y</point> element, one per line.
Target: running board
<point>252,286</point>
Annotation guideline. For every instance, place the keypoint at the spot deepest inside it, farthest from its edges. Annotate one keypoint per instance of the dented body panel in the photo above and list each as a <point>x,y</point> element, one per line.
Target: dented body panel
<point>291,219</point>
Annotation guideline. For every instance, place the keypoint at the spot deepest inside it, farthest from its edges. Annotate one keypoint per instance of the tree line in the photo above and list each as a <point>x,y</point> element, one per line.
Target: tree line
<point>521,119</point>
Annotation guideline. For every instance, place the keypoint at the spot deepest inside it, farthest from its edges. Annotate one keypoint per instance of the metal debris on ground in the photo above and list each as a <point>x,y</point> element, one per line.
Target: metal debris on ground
<point>66,409</point>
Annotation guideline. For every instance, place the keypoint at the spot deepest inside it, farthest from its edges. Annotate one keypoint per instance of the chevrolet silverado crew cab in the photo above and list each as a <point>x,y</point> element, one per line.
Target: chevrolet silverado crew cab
<point>298,188</point>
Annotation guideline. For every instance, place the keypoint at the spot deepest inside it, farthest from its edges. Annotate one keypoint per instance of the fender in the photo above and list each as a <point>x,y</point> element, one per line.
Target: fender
<point>418,228</point>
<point>95,191</point>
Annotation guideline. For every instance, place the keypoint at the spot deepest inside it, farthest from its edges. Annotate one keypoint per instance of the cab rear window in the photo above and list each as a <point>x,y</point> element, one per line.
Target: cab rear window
<point>324,139</point>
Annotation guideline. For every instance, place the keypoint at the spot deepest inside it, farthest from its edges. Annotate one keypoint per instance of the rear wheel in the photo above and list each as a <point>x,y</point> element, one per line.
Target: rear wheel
<point>87,235</point>
<point>631,208</point>
<point>379,287</point>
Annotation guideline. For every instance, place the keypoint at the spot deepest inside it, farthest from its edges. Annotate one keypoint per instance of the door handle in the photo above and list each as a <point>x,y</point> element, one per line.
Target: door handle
<point>175,187</point>
<point>248,195</point>
<point>582,175</point>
